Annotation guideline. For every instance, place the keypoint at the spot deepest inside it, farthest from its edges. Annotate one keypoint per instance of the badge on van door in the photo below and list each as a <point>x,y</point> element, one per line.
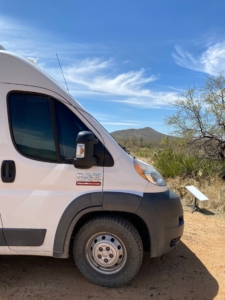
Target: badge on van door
<point>90,179</point>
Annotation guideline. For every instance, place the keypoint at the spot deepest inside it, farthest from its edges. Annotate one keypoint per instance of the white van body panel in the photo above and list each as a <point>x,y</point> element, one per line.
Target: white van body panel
<point>4,249</point>
<point>41,191</point>
<point>124,178</point>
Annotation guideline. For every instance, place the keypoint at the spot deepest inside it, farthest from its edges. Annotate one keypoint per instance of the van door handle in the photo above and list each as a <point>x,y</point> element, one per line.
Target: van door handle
<point>8,171</point>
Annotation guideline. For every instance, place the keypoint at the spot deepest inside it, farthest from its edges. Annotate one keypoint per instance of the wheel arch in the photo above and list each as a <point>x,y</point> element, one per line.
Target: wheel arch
<point>63,246</point>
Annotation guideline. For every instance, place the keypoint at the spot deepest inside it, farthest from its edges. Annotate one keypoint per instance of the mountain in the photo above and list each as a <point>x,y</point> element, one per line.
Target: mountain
<point>147,133</point>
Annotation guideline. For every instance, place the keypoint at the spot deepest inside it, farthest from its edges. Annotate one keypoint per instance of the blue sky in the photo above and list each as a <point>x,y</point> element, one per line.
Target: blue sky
<point>124,61</point>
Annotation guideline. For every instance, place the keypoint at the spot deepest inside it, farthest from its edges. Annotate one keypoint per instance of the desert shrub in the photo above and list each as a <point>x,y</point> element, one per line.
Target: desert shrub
<point>167,163</point>
<point>210,168</point>
<point>174,163</point>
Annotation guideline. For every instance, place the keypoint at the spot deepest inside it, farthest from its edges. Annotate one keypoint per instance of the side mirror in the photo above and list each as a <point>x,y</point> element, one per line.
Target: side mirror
<point>84,157</point>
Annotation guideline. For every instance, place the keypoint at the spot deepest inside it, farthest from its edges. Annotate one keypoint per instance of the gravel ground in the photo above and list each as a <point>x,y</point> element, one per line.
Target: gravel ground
<point>195,269</point>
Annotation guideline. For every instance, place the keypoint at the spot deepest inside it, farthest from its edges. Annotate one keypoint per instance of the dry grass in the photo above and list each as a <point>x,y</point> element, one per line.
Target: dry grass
<point>213,188</point>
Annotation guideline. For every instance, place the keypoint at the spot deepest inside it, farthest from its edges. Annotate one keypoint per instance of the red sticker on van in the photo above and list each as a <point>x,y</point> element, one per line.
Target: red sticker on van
<point>89,183</point>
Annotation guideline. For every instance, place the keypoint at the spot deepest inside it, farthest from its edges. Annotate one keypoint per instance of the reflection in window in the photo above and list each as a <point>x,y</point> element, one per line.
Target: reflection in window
<point>32,126</point>
<point>68,126</point>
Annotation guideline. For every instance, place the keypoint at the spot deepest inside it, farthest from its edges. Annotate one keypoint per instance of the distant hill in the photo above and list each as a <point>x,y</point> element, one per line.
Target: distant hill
<point>147,133</point>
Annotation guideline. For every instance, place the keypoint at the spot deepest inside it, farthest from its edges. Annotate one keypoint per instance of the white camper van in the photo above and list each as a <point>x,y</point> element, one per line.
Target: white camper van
<point>65,181</point>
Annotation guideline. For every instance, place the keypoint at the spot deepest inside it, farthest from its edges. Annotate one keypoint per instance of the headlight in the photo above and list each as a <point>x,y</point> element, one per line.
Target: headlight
<point>148,172</point>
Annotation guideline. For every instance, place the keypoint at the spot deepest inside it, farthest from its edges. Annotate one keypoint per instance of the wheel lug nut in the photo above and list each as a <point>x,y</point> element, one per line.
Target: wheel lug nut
<point>107,248</point>
<point>111,255</point>
<point>105,260</point>
<point>99,256</point>
<point>100,249</point>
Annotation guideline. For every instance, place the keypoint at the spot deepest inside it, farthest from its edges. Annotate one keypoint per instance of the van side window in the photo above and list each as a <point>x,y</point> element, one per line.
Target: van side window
<point>68,127</point>
<point>31,125</point>
<point>44,129</point>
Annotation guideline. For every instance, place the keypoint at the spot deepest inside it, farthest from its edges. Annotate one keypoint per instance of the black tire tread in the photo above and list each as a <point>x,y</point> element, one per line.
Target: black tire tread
<point>119,224</point>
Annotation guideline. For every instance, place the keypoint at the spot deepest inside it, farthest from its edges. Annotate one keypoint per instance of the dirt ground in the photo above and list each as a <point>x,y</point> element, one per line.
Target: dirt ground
<point>193,270</point>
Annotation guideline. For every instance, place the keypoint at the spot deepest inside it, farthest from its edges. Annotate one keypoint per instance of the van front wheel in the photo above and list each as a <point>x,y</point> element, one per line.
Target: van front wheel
<point>108,250</point>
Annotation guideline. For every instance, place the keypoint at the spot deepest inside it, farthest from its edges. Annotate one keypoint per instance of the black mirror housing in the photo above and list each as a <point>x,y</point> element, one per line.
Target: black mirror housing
<point>84,156</point>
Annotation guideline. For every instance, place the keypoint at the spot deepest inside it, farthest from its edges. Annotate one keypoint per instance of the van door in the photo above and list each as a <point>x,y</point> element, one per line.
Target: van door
<point>41,136</point>
<point>4,249</point>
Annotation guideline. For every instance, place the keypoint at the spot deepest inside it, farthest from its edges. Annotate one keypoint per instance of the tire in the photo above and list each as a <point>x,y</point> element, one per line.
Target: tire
<point>108,250</point>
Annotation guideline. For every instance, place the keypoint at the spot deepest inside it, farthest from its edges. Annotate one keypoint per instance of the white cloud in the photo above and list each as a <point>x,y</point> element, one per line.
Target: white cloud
<point>111,119</point>
<point>120,123</point>
<point>104,117</point>
<point>155,100</point>
<point>93,76</point>
<point>176,89</point>
<point>97,75</point>
<point>27,41</point>
<point>211,61</point>
<point>87,74</point>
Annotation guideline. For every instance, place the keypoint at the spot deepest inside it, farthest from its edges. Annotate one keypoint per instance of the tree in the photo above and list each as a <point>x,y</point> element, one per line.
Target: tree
<point>200,118</point>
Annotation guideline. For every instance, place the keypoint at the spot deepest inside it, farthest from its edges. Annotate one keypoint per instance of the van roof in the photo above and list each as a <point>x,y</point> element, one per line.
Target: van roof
<point>20,71</point>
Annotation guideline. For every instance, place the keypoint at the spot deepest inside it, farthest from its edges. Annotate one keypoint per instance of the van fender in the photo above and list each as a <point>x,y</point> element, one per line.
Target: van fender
<point>74,211</point>
<point>87,203</point>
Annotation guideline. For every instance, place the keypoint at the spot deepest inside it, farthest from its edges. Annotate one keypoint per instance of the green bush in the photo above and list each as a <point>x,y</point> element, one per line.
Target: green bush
<point>168,163</point>
<point>171,164</point>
